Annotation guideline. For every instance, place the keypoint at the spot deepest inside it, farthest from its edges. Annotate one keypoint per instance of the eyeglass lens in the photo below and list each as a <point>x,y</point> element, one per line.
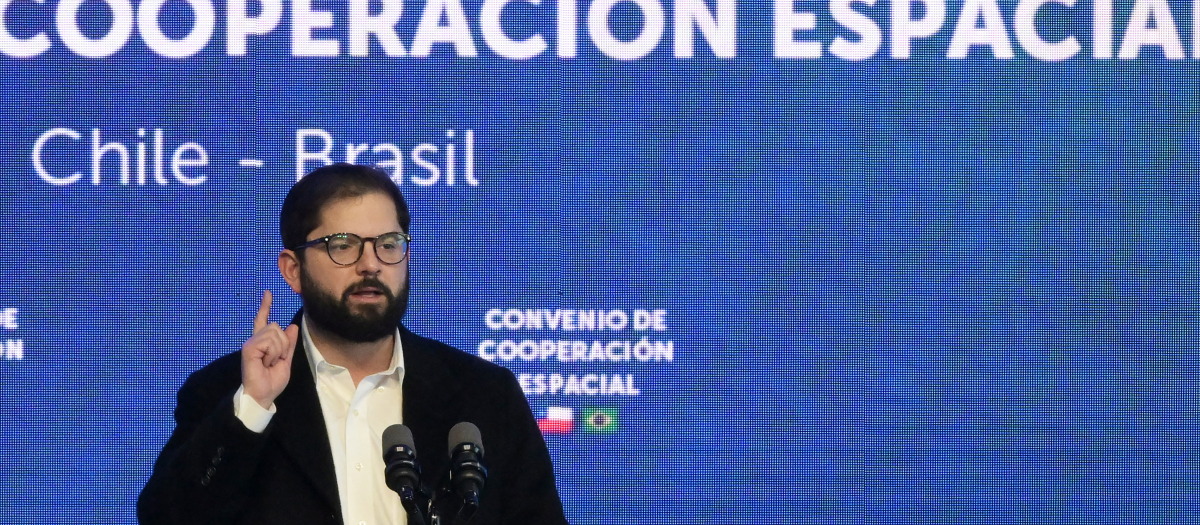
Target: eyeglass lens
<point>347,248</point>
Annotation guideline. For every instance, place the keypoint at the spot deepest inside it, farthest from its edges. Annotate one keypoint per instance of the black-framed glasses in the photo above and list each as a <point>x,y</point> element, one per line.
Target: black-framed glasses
<point>347,248</point>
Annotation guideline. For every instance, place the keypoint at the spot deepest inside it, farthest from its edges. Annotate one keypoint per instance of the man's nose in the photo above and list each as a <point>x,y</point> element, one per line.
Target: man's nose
<point>369,263</point>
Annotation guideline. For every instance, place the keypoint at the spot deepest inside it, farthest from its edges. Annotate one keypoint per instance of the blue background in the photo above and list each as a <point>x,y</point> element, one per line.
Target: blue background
<point>924,290</point>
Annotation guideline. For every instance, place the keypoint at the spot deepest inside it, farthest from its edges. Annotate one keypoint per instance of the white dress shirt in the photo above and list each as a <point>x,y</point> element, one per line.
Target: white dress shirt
<point>355,418</point>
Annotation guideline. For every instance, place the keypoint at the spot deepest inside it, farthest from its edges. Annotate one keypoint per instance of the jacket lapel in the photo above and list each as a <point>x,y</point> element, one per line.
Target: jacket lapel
<point>300,429</point>
<point>431,402</point>
<point>427,396</point>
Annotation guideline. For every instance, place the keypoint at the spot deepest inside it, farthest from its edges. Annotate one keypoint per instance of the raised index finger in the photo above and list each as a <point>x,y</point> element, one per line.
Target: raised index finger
<point>264,311</point>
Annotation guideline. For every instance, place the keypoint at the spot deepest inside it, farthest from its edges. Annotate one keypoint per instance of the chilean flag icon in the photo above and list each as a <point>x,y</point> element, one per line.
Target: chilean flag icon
<point>557,420</point>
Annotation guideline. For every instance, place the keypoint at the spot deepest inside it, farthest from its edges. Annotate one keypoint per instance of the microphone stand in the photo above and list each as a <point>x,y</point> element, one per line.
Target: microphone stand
<point>435,516</point>
<point>408,498</point>
<point>447,507</point>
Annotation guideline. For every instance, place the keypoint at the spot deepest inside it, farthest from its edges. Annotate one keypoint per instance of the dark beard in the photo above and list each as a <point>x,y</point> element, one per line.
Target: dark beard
<point>335,317</point>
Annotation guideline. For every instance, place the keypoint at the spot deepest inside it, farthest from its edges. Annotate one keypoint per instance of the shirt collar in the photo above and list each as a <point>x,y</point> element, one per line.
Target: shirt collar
<point>318,365</point>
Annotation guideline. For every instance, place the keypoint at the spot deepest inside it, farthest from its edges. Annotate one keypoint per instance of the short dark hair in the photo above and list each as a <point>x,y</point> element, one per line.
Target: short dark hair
<point>302,207</point>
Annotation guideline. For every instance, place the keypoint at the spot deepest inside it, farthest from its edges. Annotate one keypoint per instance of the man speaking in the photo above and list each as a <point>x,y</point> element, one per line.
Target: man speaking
<point>288,430</point>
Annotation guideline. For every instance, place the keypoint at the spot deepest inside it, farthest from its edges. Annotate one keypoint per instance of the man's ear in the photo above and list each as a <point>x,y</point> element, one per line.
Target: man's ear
<point>289,268</point>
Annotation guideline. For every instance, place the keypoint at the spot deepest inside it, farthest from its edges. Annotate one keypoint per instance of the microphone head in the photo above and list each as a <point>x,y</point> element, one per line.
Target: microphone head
<point>464,432</point>
<point>398,435</point>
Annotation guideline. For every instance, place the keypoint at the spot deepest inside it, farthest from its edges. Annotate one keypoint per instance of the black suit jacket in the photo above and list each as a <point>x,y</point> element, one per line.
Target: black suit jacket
<point>215,470</point>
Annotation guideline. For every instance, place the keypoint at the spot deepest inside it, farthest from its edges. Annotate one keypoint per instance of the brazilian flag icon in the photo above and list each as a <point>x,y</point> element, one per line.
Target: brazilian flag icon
<point>600,420</point>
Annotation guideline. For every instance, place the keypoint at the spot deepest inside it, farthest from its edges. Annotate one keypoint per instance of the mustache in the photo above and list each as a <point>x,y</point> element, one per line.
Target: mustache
<point>368,282</point>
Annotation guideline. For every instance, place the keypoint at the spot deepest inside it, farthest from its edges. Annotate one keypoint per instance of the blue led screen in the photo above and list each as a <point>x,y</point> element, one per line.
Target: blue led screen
<point>809,261</point>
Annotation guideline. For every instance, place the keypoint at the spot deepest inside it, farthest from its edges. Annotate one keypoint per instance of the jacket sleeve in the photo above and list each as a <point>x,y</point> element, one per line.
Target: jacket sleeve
<point>530,492</point>
<point>203,473</point>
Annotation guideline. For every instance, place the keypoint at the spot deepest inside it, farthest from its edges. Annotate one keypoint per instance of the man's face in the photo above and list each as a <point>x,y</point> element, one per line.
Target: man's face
<point>364,301</point>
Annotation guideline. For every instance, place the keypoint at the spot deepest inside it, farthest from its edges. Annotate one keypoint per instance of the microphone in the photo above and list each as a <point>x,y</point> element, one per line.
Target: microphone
<point>402,473</point>
<point>467,473</point>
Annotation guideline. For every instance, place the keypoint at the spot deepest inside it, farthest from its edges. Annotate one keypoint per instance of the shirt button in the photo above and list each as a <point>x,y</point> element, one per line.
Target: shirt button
<point>362,523</point>
<point>358,466</point>
<point>355,413</point>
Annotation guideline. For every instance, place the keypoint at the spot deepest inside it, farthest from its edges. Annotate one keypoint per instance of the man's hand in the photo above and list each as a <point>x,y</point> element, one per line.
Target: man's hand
<point>267,356</point>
